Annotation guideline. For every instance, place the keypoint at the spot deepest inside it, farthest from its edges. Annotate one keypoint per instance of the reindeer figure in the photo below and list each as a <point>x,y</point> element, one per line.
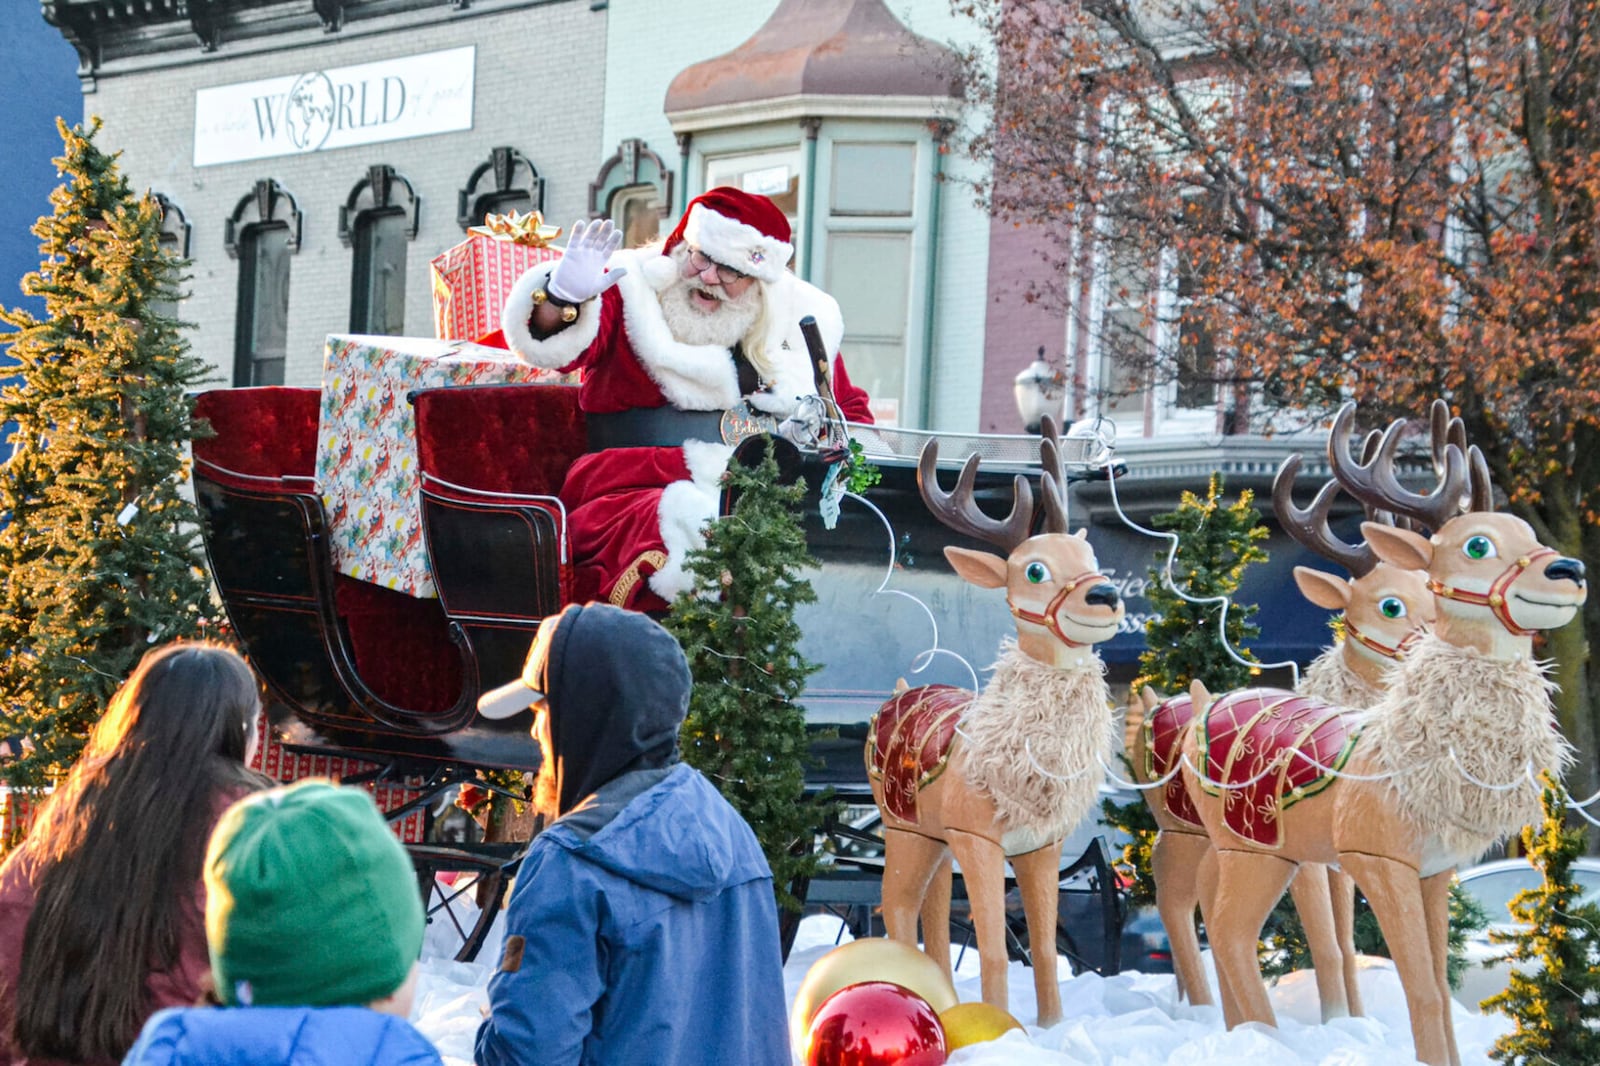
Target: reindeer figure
<point>1435,772</point>
<point>1384,609</point>
<point>1007,772</point>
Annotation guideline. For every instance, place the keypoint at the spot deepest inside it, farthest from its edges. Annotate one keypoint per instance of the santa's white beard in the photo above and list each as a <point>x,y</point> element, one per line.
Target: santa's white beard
<point>724,327</point>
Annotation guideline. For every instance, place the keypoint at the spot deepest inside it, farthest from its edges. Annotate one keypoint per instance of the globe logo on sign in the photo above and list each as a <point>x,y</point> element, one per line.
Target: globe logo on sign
<point>308,112</point>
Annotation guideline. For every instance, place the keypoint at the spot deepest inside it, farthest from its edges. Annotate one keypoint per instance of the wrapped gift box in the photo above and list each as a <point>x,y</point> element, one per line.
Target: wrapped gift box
<point>471,280</point>
<point>286,766</point>
<point>366,446</point>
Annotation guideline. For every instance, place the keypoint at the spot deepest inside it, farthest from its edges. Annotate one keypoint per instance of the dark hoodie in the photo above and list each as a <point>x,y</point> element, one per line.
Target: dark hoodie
<point>643,926</point>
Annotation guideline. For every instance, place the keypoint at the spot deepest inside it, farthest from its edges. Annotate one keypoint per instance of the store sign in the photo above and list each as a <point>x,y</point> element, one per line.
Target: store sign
<point>338,108</point>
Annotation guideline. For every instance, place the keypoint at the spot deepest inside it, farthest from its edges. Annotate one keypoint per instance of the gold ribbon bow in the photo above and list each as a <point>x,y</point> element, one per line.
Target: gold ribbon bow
<point>518,228</point>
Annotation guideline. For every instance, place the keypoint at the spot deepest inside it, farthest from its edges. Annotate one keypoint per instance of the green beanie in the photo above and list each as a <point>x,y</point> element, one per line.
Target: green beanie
<point>310,900</point>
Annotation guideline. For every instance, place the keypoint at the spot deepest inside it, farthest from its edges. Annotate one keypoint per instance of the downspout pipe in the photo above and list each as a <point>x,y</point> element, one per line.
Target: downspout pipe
<point>941,137</point>
<point>808,272</point>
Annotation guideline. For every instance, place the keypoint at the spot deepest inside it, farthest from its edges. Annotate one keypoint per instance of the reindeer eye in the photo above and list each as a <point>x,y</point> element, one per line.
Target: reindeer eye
<point>1479,547</point>
<point>1037,573</point>
<point>1392,607</point>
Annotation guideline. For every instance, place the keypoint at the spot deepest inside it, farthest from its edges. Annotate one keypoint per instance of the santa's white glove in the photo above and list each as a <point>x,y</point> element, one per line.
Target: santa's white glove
<point>580,274</point>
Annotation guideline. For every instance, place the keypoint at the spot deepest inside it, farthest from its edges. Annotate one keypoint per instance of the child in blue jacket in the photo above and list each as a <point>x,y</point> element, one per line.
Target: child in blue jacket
<point>314,923</point>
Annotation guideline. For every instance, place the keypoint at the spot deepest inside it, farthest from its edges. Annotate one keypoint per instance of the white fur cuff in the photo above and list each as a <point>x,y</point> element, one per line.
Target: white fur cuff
<point>558,349</point>
<point>684,511</point>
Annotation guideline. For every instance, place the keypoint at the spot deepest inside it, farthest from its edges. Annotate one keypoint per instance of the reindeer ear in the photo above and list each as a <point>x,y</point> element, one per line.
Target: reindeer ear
<point>1322,588</point>
<point>1148,697</point>
<point>1082,533</point>
<point>1198,695</point>
<point>981,568</point>
<point>1398,547</point>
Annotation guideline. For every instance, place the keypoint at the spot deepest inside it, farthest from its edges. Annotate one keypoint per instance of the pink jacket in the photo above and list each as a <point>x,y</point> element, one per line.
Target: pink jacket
<point>175,987</point>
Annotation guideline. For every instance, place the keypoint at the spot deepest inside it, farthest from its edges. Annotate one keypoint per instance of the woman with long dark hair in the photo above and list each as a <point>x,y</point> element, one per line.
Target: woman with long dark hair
<point>101,906</point>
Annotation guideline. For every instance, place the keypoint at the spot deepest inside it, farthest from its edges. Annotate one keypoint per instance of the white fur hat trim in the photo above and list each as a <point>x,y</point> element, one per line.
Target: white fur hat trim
<point>735,244</point>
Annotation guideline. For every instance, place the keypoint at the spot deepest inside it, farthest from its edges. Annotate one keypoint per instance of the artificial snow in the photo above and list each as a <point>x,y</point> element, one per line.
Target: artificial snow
<point>1131,1019</point>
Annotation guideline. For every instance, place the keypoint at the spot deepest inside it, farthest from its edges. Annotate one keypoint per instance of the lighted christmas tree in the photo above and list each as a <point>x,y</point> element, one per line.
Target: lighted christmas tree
<point>1216,541</point>
<point>745,731</point>
<point>1554,994</point>
<point>100,549</point>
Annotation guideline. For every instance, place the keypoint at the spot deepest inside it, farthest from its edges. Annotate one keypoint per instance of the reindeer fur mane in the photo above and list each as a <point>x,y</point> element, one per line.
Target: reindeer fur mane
<point>1495,715</point>
<point>1065,718</point>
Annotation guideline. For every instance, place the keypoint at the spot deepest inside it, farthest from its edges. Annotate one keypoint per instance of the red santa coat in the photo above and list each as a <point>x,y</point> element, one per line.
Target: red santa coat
<point>634,513</point>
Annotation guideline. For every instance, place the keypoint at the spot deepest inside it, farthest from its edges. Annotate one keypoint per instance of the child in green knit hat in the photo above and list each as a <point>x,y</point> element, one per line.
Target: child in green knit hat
<point>314,923</point>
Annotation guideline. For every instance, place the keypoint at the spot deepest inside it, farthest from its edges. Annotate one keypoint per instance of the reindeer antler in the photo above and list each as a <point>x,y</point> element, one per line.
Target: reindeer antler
<point>1443,430</point>
<point>1053,482</point>
<point>960,512</point>
<point>1310,526</point>
<point>1374,483</point>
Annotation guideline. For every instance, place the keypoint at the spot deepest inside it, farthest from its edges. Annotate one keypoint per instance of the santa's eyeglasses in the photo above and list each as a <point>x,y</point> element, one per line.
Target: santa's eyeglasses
<point>699,262</point>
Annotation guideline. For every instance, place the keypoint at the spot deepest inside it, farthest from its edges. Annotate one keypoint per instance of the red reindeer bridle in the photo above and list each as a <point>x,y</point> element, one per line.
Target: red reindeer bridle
<point>1049,619</point>
<point>1495,598</point>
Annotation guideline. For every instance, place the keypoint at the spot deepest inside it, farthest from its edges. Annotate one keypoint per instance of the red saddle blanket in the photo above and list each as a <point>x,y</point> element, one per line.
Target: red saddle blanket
<point>1163,739</point>
<point>908,743</point>
<point>1266,749</point>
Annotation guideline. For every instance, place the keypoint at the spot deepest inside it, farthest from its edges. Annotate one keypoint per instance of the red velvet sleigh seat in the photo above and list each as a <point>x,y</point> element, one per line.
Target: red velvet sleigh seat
<point>491,459</point>
<point>346,655</point>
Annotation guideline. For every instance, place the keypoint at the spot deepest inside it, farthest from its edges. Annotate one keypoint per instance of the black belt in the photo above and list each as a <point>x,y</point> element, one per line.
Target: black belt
<point>651,427</point>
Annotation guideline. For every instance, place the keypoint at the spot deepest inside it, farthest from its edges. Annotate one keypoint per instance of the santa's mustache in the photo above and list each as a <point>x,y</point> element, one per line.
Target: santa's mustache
<point>710,294</point>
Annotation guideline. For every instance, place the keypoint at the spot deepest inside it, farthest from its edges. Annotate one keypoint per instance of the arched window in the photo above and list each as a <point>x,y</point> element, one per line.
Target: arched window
<point>378,219</point>
<point>174,241</point>
<point>516,186</point>
<point>634,190</point>
<point>263,332</point>
<point>262,233</point>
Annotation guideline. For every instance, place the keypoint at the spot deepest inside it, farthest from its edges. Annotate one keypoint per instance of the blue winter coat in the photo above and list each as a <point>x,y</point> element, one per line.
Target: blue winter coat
<point>279,1036</point>
<point>642,929</point>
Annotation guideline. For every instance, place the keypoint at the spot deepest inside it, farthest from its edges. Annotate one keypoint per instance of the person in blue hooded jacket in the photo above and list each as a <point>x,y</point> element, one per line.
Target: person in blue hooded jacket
<point>643,926</point>
<point>313,924</point>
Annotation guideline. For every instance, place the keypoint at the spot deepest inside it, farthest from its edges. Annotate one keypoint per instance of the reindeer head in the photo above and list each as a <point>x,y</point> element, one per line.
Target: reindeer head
<point>1385,607</point>
<point>1053,584</point>
<point>1495,583</point>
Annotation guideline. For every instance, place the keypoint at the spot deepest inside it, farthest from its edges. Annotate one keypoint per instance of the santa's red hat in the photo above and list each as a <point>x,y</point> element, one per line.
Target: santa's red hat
<point>745,231</point>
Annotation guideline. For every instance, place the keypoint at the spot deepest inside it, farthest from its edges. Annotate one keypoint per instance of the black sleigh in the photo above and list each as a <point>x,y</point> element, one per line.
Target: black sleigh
<point>379,687</point>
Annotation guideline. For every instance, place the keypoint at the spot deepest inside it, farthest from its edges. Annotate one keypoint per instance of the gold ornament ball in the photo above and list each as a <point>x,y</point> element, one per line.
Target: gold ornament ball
<point>869,959</point>
<point>974,1023</point>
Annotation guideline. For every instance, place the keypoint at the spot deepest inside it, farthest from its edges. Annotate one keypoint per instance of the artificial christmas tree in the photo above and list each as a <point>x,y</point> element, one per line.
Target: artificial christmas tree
<point>1554,994</point>
<point>1215,544</point>
<point>745,731</point>
<point>100,548</point>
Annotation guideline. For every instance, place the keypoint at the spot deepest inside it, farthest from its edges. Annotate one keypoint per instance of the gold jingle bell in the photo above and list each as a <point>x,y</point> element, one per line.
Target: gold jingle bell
<point>868,959</point>
<point>975,1023</point>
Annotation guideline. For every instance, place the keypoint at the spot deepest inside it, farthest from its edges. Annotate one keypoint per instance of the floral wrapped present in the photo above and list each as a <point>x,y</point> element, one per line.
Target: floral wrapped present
<point>470,281</point>
<point>366,446</point>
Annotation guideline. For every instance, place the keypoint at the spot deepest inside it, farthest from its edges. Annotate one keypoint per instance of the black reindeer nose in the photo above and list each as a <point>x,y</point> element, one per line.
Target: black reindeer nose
<point>1104,595</point>
<point>1571,569</point>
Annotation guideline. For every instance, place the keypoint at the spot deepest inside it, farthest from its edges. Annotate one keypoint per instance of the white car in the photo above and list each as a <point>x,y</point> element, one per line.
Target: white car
<point>1494,885</point>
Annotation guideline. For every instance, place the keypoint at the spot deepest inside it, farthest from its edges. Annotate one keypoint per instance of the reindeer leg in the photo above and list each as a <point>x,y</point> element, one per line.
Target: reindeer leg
<point>1342,894</point>
<point>1248,884</point>
<point>909,861</point>
<point>1436,904</point>
<point>1039,877</point>
<point>1175,862</point>
<point>1206,881</point>
<point>983,868</point>
<point>936,917</point>
<point>1395,893</point>
<point>1312,902</point>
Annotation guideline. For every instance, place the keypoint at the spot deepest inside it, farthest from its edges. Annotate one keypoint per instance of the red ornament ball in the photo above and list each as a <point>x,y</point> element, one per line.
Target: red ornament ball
<point>875,1023</point>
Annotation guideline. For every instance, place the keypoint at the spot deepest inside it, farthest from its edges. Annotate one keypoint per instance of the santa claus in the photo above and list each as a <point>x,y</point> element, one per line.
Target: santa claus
<point>668,338</point>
